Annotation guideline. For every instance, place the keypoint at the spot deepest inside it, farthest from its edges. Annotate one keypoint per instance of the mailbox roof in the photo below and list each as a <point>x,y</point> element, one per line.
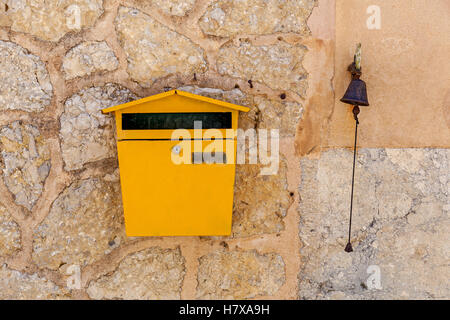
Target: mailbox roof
<point>178,92</point>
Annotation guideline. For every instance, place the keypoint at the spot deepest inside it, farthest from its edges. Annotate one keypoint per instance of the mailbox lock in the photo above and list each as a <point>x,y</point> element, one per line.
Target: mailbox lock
<point>176,149</point>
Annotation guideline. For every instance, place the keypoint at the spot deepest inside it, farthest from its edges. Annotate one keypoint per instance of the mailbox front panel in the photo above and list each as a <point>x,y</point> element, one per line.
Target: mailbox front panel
<point>161,198</point>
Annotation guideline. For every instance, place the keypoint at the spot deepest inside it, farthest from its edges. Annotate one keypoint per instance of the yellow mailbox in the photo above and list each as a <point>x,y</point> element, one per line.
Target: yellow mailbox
<point>177,179</point>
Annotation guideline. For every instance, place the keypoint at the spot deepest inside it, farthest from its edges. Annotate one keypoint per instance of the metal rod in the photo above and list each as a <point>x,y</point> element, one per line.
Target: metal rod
<point>348,247</point>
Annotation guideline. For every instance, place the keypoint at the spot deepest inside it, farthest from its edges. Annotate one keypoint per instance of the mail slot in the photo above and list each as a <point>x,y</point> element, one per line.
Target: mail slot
<point>163,197</point>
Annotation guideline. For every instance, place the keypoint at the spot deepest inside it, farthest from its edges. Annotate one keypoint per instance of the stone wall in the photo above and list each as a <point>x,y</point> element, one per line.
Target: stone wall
<point>401,210</point>
<point>61,217</point>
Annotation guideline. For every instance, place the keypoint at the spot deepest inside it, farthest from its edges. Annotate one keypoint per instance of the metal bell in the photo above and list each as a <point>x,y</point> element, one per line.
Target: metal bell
<point>356,93</point>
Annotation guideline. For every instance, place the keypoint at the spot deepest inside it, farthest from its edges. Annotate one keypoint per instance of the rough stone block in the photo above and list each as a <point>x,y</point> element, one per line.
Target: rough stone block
<point>85,223</point>
<point>86,134</point>
<point>172,7</point>
<point>50,19</point>
<point>25,162</point>
<point>9,234</point>
<point>20,286</point>
<point>400,224</point>
<point>264,113</point>
<point>225,18</point>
